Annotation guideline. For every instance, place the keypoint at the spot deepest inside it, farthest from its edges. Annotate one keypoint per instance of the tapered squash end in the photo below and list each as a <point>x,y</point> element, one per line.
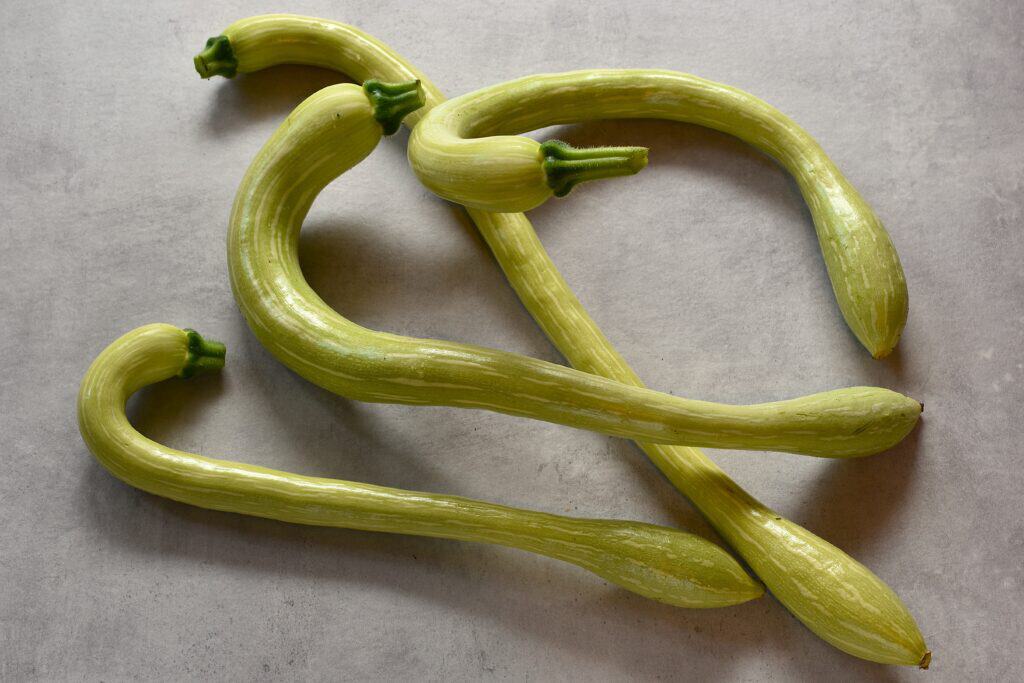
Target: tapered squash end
<point>880,353</point>
<point>566,166</point>
<point>216,59</point>
<point>204,356</point>
<point>392,102</point>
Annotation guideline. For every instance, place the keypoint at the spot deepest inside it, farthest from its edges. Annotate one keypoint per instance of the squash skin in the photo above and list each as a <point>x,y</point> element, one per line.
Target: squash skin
<point>467,151</point>
<point>793,562</point>
<point>657,562</point>
<point>332,131</point>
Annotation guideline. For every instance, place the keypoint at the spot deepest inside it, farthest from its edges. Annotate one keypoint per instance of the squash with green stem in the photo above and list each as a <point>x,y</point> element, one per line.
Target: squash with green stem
<point>467,151</point>
<point>835,596</point>
<point>336,128</point>
<point>657,562</point>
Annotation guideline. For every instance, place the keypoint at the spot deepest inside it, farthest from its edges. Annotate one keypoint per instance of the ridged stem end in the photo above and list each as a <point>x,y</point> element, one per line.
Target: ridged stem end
<point>926,660</point>
<point>392,102</point>
<point>204,356</point>
<point>216,59</point>
<point>566,166</point>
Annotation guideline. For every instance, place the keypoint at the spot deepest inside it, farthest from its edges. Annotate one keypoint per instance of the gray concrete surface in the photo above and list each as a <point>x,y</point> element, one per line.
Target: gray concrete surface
<point>119,168</point>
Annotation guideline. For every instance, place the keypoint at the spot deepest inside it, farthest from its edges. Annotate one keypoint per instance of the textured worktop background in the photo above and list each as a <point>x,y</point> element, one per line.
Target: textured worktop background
<point>119,167</point>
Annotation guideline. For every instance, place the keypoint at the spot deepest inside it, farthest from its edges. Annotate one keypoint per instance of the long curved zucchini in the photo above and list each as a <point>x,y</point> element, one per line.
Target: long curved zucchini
<point>465,151</point>
<point>836,597</point>
<point>657,562</point>
<point>331,132</point>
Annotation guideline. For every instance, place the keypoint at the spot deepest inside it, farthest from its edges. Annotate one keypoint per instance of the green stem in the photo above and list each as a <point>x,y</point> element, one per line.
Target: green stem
<point>204,356</point>
<point>566,166</point>
<point>216,59</point>
<point>393,101</point>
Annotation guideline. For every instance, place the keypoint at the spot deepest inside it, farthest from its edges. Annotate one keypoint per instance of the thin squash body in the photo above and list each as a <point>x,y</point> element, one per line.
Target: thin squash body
<point>835,596</point>
<point>466,151</point>
<point>660,563</point>
<point>332,131</point>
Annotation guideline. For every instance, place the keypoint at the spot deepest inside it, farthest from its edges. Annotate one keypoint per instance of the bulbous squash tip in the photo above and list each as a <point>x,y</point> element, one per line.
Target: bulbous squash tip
<point>735,586</point>
<point>882,350</point>
<point>757,590</point>
<point>676,568</point>
<point>880,341</point>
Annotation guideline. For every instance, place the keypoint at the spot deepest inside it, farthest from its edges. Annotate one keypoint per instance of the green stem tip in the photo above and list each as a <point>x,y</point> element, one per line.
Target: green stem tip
<point>392,102</point>
<point>204,356</point>
<point>216,59</point>
<point>566,166</point>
